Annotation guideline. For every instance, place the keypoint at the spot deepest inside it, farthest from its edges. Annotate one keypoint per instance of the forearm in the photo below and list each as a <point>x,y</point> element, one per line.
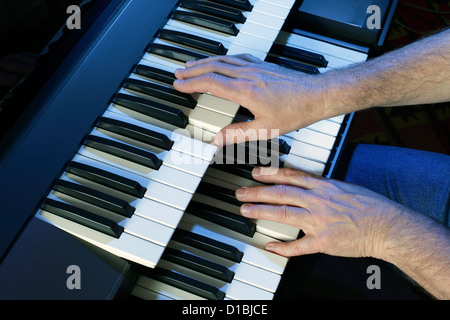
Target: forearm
<point>419,247</point>
<point>416,74</point>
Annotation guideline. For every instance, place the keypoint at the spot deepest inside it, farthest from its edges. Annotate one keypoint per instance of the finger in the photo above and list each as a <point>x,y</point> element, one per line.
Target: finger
<point>212,66</point>
<point>293,216</point>
<point>277,194</point>
<point>216,84</point>
<point>235,60</point>
<point>305,245</point>
<point>288,176</point>
<point>248,57</point>
<point>240,132</point>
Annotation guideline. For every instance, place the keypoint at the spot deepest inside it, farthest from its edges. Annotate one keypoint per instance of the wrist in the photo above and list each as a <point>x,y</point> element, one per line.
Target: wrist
<point>343,92</point>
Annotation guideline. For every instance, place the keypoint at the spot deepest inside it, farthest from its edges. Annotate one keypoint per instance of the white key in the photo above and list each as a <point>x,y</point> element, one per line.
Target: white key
<point>145,208</point>
<point>206,101</point>
<point>135,225</point>
<point>234,290</point>
<point>241,39</point>
<point>252,248</point>
<point>243,291</point>
<point>326,126</point>
<point>257,25</point>
<point>273,229</point>
<point>167,175</point>
<point>233,47</point>
<point>306,150</point>
<point>163,289</point>
<point>292,161</point>
<point>172,158</point>
<point>127,246</point>
<point>288,4</point>
<point>271,9</point>
<point>313,137</point>
<point>244,272</point>
<point>257,277</point>
<point>199,117</point>
<point>337,57</point>
<point>264,20</point>
<point>183,142</point>
<point>156,191</point>
<point>147,294</point>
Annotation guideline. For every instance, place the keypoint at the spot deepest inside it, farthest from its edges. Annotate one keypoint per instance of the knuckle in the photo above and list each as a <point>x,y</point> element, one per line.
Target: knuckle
<point>214,66</point>
<point>282,213</point>
<point>280,191</point>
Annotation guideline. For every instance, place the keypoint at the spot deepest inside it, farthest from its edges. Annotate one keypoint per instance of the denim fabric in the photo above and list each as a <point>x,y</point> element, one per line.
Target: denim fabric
<point>417,179</point>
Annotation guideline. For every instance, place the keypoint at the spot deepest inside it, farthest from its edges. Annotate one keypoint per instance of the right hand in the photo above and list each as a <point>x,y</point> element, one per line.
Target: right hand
<point>281,100</point>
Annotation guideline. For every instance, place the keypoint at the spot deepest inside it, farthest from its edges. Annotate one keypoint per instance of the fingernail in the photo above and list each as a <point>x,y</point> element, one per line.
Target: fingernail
<point>270,247</point>
<point>245,209</point>
<point>189,63</point>
<point>256,172</point>
<point>241,193</point>
<point>178,82</point>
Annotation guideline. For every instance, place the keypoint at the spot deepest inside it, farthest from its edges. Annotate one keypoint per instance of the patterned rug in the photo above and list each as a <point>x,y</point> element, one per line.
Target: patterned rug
<point>424,127</point>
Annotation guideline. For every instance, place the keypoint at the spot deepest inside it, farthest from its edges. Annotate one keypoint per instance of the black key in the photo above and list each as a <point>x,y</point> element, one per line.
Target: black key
<point>215,9</point>
<point>218,192</point>
<point>281,145</point>
<point>185,283</point>
<point>206,21</point>
<point>132,131</point>
<point>207,244</point>
<point>221,217</point>
<point>193,41</point>
<point>106,178</point>
<point>299,54</point>
<point>245,113</point>
<point>83,217</point>
<point>241,170</point>
<point>198,264</point>
<point>153,109</point>
<point>175,53</point>
<point>161,92</point>
<point>269,147</point>
<point>155,74</point>
<point>247,153</point>
<point>124,151</point>
<point>275,146</point>
<point>294,65</point>
<point>240,4</point>
<point>95,197</point>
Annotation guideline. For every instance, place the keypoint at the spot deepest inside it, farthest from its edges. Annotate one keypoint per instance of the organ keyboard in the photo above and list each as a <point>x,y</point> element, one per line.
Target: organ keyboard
<point>136,180</point>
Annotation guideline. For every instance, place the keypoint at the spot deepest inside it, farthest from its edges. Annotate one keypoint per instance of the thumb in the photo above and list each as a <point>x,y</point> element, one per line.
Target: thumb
<point>240,132</point>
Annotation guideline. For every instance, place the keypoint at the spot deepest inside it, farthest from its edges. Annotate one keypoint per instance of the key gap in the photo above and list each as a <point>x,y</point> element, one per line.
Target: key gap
<point>89,207</point>
<point>220,284</point>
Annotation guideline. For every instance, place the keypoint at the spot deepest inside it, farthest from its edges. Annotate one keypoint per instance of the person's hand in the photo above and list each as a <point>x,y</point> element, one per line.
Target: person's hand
<point>337,218</point>
<point>280,99</point>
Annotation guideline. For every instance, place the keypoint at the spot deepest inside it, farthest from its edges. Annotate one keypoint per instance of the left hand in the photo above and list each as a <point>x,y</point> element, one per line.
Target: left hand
<point>337,218</point>
<point>280,99</point>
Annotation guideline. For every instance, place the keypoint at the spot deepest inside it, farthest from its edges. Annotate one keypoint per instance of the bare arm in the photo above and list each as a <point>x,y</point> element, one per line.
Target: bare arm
<point>346,220</point>
<point>416,74</point>
<point>286,100</point>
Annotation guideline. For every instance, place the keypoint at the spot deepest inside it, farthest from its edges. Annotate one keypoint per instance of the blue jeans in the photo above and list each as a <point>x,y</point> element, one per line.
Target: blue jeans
<point>419,180</point>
